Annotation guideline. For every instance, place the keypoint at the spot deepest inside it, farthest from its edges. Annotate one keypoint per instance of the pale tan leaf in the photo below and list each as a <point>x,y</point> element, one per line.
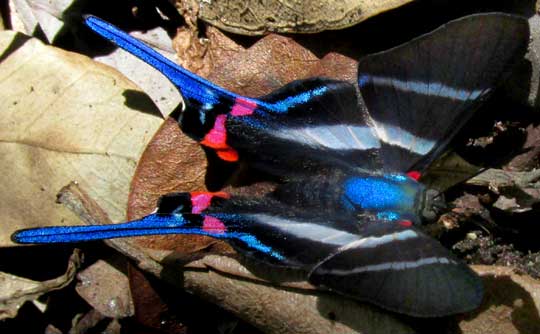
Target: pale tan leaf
<point>259,17</point>
<point>15,291</point>
<point>65,118</point>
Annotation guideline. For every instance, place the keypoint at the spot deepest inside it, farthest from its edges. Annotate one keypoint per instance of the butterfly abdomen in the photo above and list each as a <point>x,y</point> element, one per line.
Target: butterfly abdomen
<point>322,196</point>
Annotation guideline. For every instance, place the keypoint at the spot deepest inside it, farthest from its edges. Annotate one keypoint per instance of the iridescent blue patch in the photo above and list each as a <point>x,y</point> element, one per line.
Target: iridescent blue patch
<point>372,193</point>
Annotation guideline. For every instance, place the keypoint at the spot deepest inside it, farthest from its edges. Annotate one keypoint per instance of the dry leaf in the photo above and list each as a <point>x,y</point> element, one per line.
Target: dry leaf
<point>65,118</point>
<point>15,291</point>
<point>511,305</point>
<point>39,17</point>
<point>518,190</point>
<point>48,20</point>
<point>163,93</point>
<point>257,18</point>
<point>106,289</point>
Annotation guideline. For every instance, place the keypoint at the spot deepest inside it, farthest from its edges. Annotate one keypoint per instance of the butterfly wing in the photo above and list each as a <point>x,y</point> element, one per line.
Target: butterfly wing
<point>389,264</point>
<point>421,93</point>
<point>401,269</point>
<point>418,96</point>
<point>264,229</point>
<point>318,117</point>
<point>306,126</point>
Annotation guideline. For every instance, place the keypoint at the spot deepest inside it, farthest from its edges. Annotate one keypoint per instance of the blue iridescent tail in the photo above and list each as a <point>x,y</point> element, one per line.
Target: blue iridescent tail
<point>150,225</point>
<point>191,86</point>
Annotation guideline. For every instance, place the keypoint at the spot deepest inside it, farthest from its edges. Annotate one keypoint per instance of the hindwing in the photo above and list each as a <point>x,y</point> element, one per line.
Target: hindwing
<point>390,264</point>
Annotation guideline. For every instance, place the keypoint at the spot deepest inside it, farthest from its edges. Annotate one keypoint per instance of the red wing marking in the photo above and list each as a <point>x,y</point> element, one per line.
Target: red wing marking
<point>213,225</point>
<point>414,174</point>
<point>243,107</point>
<point>229,154</point>
<point>217,139</point>
<point>201,200</point>
<point>405,223</point>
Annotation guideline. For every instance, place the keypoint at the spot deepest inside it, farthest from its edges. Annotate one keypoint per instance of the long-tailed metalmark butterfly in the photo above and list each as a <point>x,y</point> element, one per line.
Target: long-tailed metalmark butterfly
<point>347,209</point>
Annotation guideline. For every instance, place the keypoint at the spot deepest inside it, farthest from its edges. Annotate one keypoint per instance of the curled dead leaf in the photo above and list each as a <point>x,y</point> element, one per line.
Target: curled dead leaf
<point>257,18</point>
<point>15,291</point>
<point>65,117</point>
<point>511,305</point>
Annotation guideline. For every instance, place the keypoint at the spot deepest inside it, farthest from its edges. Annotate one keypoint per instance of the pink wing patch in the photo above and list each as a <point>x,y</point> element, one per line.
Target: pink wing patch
<point>217,139</point>
<point>213,225</point>
<point>243,107</point>
<point>200,201</point>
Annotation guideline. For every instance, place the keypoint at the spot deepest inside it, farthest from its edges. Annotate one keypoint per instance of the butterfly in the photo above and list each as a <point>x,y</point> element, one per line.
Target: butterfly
<point>350,157</point>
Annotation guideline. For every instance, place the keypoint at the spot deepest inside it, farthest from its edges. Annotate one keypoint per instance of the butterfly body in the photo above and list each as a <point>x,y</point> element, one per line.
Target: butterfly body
<point>347,210</point>
<point>384,196</point>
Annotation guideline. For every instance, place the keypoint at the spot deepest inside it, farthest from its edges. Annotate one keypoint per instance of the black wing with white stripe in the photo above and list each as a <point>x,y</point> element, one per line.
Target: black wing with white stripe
<point>418,96</point>
<point>421,93</point>
<point>390,264</point>
<point>305,127</point>
<point>401,269</point>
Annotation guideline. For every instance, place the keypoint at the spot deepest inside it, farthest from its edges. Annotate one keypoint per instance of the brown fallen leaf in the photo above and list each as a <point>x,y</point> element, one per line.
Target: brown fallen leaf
<point>511,305</point>
<point>15,291</point>
<point>518,190</point>
<point>257,18</point>
<point>106,289</point>
<point>65,117</point>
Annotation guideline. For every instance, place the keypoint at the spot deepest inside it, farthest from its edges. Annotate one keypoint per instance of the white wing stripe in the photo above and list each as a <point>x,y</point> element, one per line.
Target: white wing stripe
<point>419,87</point>
<point>339,137</point>
<point>371,242</point>
<point>307,230</point>
<point>397,136</point>
<point>402,265</point>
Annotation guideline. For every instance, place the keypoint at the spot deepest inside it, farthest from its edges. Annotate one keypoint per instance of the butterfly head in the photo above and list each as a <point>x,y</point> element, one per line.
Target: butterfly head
<point>434,205</point>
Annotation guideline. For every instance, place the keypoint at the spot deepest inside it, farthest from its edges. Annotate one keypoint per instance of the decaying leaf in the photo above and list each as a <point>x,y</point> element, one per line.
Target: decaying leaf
<point>259,17</point>
<point>38,17</point>
<point>106,289</point>
<point>162,92</point>
<point>448,170</point>
<point>518,191</point>
<point>50,20</point>
<point>65,118</point>
<point>511,305</point>
<point>15,291</point>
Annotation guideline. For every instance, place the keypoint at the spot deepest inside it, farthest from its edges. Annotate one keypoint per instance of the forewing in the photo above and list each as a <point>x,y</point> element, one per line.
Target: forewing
<point>421,93</point>
<point>263,229</point>
<point>400,269</point>
<point>301,127</point>
<point>305,126</point>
